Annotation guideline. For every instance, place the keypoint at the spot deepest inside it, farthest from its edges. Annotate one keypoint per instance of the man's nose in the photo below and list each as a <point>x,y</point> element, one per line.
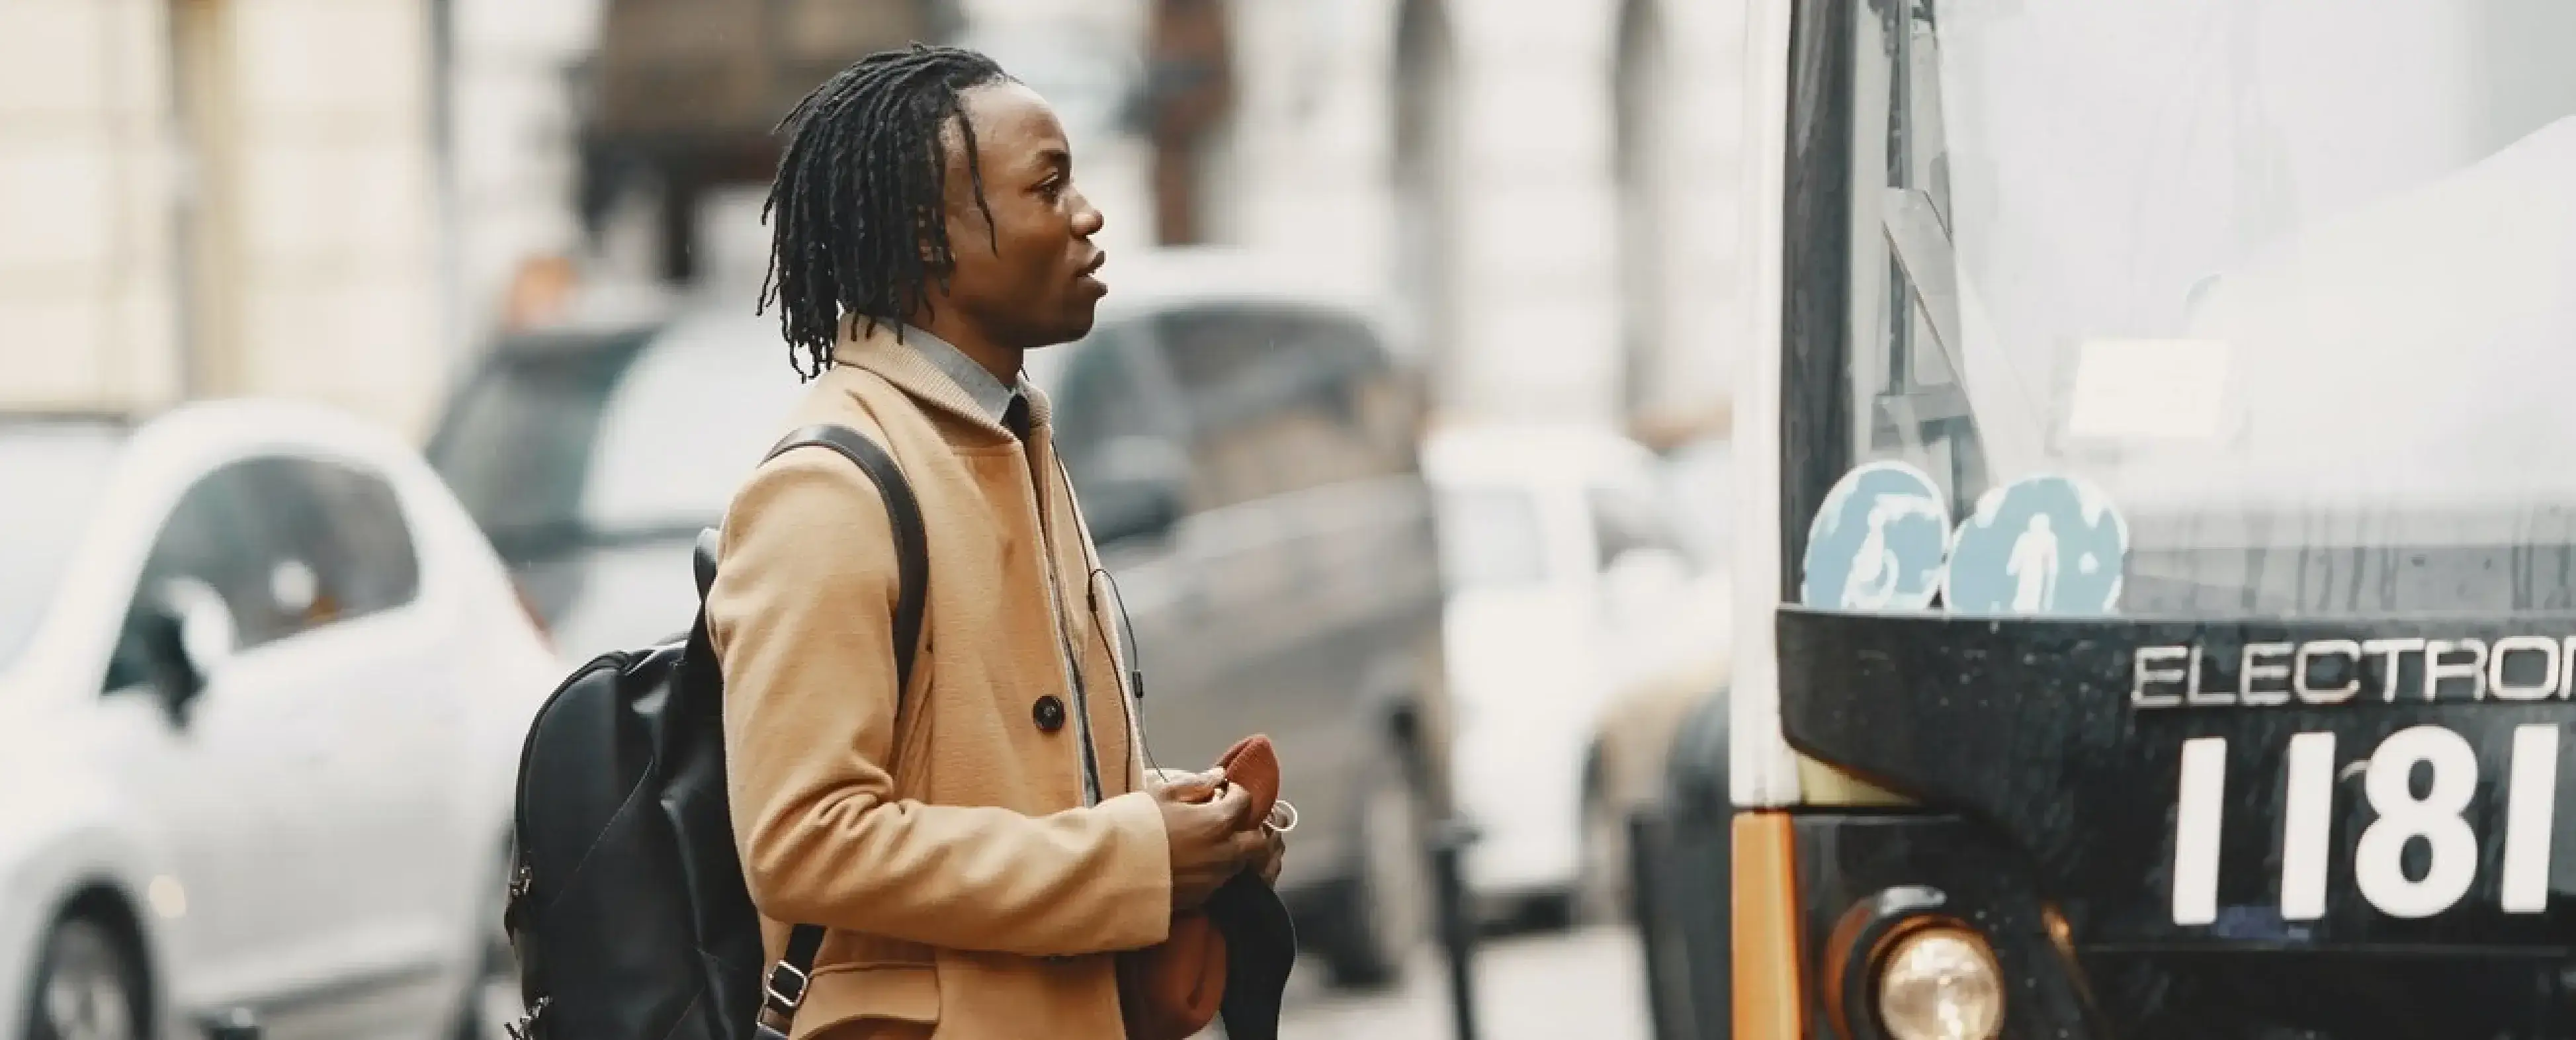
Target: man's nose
<point>1087,219</point>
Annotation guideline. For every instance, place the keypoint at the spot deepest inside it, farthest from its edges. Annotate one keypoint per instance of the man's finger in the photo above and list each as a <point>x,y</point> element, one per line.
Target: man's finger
<point>1235,802</point>
<point>1274,852</point>
<point>1202,781</point>
<point>1193,790</point>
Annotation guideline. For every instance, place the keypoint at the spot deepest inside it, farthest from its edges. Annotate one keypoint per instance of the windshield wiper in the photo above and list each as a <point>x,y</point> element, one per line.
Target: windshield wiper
<point>1985,414</point>
<point>1921,243</point>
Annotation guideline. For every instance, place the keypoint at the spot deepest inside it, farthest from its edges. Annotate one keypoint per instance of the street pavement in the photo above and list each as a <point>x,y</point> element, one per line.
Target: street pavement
<point>1537,986</point>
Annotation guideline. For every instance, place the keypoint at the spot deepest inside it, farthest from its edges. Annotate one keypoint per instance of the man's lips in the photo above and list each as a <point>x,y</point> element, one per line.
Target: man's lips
<point>1092,269</point>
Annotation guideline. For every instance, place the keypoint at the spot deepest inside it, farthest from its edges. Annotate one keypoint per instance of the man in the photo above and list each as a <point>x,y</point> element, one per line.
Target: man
<point>979,855</point>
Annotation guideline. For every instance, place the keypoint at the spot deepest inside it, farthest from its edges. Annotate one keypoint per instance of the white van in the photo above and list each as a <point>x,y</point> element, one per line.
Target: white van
<point>1568,582</point>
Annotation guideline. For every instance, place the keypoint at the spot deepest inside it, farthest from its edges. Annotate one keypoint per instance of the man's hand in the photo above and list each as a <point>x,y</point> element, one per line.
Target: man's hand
<point>1274,851</point>
<point>1211,841</point>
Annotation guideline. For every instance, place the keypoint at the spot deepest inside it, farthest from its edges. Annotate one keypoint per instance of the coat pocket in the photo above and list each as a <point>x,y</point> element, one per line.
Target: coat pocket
<point>856,994</point>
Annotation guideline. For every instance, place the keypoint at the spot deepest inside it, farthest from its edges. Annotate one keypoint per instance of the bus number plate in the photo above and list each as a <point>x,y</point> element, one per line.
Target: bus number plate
<point>2437,817</point>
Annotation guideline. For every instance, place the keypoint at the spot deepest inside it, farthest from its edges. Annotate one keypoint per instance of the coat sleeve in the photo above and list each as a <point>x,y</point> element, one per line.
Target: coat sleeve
<point>802,618</point>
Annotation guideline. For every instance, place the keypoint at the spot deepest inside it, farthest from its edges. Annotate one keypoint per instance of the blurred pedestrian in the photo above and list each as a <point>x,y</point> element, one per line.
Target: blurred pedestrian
<point>980,852</point>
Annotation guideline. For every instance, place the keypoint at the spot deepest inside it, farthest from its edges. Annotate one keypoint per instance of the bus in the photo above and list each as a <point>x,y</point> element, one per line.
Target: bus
<point>2159,541</point>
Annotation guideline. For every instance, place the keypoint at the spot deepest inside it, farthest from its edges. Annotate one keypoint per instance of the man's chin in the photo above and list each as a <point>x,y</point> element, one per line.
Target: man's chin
<point>1074,328</point>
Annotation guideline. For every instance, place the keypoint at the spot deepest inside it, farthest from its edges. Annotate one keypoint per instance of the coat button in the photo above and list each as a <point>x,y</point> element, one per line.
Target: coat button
<point>1049,713</point>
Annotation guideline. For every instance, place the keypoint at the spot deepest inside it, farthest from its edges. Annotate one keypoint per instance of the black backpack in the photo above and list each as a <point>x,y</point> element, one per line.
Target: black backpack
<point>627,906</point>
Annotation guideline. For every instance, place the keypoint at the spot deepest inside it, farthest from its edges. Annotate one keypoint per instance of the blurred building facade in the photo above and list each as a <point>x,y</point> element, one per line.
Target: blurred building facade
<point>1550,190</point>
<point>509,76</point>
<point>214,197</point>
<point>1551,185</point>
<point>344,199</point>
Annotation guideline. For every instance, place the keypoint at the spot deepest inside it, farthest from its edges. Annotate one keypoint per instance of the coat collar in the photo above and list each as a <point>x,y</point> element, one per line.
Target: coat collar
<point>992,395</point>
<point>877,350</point>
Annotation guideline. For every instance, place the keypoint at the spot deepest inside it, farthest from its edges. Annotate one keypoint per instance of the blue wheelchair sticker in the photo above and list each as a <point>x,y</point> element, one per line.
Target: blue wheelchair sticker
<point>2043,545</point>
<point>1877,542</point>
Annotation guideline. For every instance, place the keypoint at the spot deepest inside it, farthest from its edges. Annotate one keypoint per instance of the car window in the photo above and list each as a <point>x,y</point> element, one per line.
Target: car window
<point>684,427</point>
<point>516,442</point>
<point>212,541</point>
<point>1101,399</point>
<point>1336,424</point>
<point>365,558</point>
<point>1273,402</point>
<point>1215,358</point>
<point>1384,408</point>
<point>563,442</point>
<point>288,545</point>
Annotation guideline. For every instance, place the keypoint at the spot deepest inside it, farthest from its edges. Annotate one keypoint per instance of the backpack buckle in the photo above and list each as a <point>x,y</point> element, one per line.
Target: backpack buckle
<point>526,1027</point>
<point>786,987</point>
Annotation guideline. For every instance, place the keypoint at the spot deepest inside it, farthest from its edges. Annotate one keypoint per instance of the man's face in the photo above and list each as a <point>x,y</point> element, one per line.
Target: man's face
<point>1031,278</point>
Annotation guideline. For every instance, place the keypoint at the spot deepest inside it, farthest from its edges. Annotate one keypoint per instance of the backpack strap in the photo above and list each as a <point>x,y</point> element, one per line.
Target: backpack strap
<point>911,543</point>
<point>785,988</point>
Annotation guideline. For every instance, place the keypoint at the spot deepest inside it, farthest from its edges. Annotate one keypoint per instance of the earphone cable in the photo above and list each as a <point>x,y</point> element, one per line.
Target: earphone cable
<point>1135,668</point>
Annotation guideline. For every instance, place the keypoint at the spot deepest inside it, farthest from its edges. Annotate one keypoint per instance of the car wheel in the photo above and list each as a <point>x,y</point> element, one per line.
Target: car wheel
<point>1384,912</point>
<point>1601,895</point>
<point>88,986</point>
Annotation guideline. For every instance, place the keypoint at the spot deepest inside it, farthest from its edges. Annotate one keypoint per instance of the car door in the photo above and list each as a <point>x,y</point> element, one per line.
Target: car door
<point>1124,446</point>
<point>1261,605</point>
<point>364,667</point>
<point>1354,528</point>
<point>228,774</point>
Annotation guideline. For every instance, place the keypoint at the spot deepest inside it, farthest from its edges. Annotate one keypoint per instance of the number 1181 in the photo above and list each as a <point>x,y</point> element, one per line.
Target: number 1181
<point>2437,818</point>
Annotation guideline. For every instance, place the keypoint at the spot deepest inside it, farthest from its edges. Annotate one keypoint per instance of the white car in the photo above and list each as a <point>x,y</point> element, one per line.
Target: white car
<point>262,692</point>
<point>1568,583</point>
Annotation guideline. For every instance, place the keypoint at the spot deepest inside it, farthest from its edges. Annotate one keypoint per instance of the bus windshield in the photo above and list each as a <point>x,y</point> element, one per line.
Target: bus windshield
<point>2291,283</point>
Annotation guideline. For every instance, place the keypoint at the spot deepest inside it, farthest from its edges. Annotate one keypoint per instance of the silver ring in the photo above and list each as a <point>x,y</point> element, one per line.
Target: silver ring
<point>1279,809</point>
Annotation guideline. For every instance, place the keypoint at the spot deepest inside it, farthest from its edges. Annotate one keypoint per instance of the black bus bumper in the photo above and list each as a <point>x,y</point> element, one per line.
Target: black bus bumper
<point>1860,874</point>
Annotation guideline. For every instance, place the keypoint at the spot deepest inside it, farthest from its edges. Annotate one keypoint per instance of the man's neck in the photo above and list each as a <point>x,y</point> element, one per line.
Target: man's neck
<point>1003,362</point>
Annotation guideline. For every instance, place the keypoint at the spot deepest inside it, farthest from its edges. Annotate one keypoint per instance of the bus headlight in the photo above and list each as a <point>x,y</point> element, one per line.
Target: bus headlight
<point>1941,983</point>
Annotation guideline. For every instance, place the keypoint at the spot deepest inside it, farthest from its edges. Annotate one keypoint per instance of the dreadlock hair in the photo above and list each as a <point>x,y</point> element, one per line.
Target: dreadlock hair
<point>860,196</point>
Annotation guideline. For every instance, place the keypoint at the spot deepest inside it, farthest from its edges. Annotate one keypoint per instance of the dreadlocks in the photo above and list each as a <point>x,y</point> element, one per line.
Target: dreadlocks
<point>860,195</point>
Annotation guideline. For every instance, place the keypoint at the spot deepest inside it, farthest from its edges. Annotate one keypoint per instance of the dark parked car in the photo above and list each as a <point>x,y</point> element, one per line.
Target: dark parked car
<point>1247,458</point>
<point>1682,853</point>
<point>592,458</point>
<point>1248,455</point>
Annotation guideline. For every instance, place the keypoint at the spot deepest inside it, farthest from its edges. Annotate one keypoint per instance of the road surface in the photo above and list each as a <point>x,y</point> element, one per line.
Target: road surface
<point>1543,986</point>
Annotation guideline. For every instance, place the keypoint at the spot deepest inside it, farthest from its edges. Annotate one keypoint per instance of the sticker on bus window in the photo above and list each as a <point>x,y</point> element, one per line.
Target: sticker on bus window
<point>2046,545</point>
<point>1877,542</point>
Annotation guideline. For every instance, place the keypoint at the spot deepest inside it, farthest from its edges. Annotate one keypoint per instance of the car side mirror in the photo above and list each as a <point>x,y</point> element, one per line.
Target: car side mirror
<point>185,633</point>
<point>1136,489</point>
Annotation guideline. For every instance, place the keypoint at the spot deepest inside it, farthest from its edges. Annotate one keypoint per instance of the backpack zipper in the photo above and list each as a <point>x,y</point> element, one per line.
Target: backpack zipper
<point>618,661</point>
<point>526,1028</point>
<point>514,907</point>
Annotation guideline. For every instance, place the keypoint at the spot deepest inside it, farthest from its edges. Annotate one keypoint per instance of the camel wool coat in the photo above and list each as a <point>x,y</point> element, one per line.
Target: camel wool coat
<point>942,837</point>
